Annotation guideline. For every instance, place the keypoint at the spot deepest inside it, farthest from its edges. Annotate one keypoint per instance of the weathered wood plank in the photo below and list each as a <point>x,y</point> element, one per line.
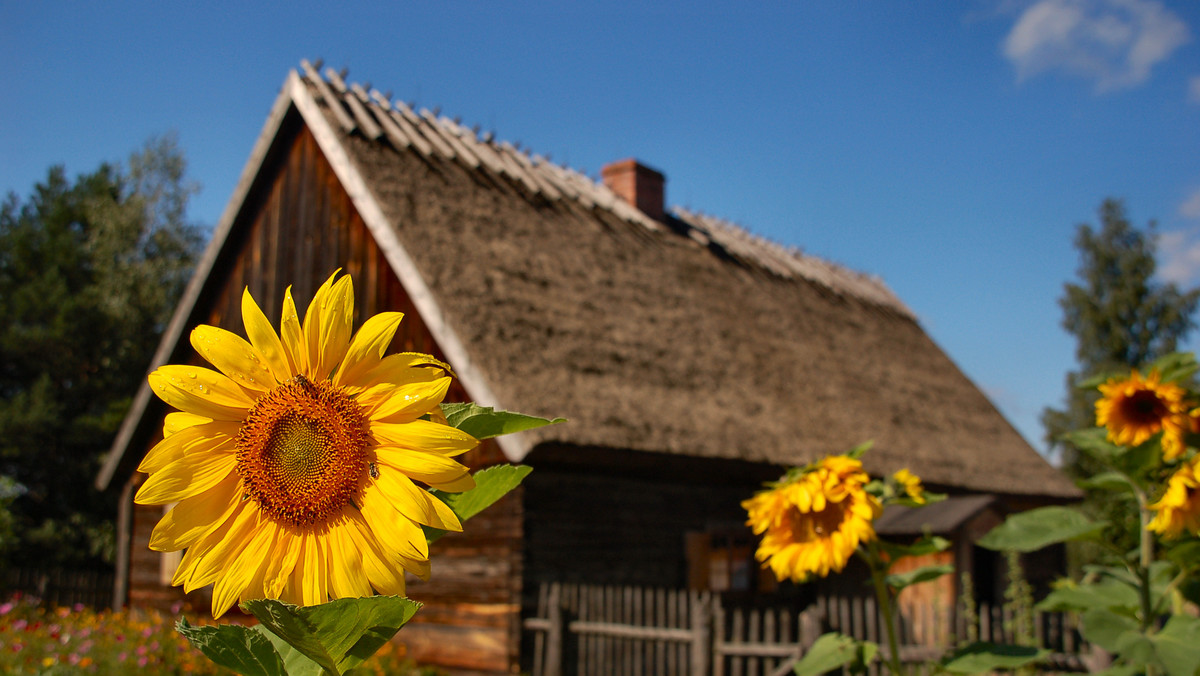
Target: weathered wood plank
<point>331,100</point>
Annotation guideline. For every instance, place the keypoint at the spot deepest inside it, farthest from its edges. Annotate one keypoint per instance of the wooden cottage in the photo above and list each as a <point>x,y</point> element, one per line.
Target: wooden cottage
<point>692,359</point>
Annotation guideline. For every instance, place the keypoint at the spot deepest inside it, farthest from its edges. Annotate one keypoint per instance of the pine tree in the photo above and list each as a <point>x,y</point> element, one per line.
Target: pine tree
<point>89,274</point>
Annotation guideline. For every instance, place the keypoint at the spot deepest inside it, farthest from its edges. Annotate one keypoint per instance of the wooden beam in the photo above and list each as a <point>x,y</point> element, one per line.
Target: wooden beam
<point>394,133</point>
<point>331,100</point>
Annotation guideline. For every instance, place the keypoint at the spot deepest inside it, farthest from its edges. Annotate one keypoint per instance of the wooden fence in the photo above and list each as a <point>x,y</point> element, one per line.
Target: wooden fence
<point>585,630</point>
<point>61,587</point>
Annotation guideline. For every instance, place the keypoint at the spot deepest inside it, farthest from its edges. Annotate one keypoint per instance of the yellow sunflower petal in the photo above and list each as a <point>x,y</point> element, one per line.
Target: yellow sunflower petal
<point>176,421</point>
<point>402,403</point>
<point>207,437</point>
<point>234,357</point>
<point>264,339</point>
<point>437,471</point>
<point>188,572</point>
<point>392,527</point>
<point>423,435</point>
<point>245,566</point>
<point>328,324</point>
<point>405,367</point>
<point>292,336</point>
<point>415,503</point>
<point>282,563</point>
<point>346,576</point>
<point>368,347</point>
<point>220,548</point>
<point>312,582</point>
<point>200,391</point>
<point>195,516</point>
<point>180,480</point>
<point>383,571</point>
<point>185,569</point>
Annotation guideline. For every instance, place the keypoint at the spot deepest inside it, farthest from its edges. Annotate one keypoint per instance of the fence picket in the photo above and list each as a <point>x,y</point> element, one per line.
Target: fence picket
<point>587,629</point>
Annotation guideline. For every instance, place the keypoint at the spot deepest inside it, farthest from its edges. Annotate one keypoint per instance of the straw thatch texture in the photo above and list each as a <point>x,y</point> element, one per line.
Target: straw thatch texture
<point>687,337</point>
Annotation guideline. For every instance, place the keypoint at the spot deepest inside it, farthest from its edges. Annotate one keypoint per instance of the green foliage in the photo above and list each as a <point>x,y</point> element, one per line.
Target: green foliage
<point>1132,602</point>
<point>970,610</point>
<point>982,657</point>
<point>491,484</point>
<point>90,271</point>
<point>831,651</point>
<point>337,635</point>
<point>898,581</point>
<point>236,647</point>
<point>928,544</point>
<point>1122,318</point>
<point>1038,528</point>
<point>330,638</point>
<point>484,422</point>
<point>1018,597</point>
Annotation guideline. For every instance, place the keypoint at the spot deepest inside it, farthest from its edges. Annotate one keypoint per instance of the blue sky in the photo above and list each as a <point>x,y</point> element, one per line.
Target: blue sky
<point>950,148</point>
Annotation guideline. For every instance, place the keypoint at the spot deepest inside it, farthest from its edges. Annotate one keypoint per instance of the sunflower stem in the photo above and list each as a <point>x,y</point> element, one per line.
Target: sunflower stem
<point>883,594</point>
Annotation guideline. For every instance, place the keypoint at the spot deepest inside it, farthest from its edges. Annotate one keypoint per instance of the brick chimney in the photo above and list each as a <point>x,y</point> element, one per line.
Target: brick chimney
<point>637,184</point>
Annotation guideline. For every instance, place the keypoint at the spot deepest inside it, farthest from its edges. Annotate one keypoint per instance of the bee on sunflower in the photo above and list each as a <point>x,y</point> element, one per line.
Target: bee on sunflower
<point>297,464</point>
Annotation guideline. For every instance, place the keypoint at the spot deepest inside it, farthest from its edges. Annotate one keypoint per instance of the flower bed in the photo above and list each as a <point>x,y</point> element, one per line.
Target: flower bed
<point>78,640</point>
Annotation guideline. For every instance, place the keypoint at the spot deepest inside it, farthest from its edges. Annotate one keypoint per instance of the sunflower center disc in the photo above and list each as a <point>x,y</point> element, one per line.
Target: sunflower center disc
<point>1146,407</point>
<point>301,451</point>
<point>811,526</point>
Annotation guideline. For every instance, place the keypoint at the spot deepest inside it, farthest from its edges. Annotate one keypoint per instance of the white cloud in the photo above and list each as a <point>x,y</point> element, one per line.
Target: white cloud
<point>1179,257</point>
<point>1190,208</point>
<point>1116,43</point>
<point>1194,89</point>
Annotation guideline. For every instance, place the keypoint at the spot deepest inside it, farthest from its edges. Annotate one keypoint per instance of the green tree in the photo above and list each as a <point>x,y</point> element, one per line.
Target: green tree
<point>90,272</point>
<point>1122,318</point>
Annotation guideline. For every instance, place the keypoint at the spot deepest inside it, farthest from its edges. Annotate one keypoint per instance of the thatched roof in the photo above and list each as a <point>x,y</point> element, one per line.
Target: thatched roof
<point>690,336</point>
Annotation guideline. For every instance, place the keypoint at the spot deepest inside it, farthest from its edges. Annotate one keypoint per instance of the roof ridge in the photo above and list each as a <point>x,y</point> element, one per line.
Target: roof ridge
<point>375,116</point>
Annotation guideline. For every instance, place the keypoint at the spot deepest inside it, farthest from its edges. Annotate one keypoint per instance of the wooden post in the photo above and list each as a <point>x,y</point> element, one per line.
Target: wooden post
<point>701,632</point>
<point>554,637</point>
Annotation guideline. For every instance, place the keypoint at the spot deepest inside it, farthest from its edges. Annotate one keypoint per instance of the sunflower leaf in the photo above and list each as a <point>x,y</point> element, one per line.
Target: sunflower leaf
<point>1094,442</point>
<point>338,635</point>
<point>234,647</point>
<point>981,657</point>
<point>491,484</point>
<point>899,581</point>
<point>485,422</point>
<point>1037,528</point>
<point>928,544</point>
<point>1175,367</point>
<point>827,653</point>
<point>1109,592</point>
<point>295,662</point>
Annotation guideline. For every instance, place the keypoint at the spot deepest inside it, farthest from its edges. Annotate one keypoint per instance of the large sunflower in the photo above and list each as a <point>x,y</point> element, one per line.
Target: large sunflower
<point>295,464</point>
<point>812,524</point>
<point>1179,508</point>
<point>1134,409</point>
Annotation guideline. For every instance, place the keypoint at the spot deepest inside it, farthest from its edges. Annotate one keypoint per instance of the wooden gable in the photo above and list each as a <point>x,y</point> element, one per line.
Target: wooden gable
<point>296,226</point>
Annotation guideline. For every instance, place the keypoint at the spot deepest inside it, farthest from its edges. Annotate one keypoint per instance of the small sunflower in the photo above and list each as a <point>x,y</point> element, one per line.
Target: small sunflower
<point>1179,508</point>
<point>911,484</point>
<point>297,465</point>
<point>1135,409</point>
<point>812,524</point>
